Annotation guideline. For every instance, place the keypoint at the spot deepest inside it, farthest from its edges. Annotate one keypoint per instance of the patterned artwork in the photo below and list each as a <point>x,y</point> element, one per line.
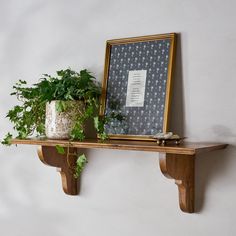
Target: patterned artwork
<point>152,56</point>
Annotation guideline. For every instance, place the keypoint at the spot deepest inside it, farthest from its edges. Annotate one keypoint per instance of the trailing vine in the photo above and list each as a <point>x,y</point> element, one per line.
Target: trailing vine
<point>28,118</point>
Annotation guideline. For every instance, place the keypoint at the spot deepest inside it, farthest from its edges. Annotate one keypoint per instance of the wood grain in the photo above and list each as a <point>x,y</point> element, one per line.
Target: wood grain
<point>50,156</point>
<point>181,168</point>
<point>185,148</point>
<point>176,161</point>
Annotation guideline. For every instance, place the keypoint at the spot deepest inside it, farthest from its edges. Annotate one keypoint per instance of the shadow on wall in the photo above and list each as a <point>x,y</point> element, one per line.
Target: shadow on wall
<point>209,167</point>
<point>177,102</point>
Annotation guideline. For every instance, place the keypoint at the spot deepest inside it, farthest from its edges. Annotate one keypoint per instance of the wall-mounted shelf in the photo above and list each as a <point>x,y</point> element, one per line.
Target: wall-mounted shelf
<point>176,162</point>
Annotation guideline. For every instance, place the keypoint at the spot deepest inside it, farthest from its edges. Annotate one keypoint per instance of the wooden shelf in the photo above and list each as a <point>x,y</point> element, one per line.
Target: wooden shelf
<point>176,161</point>
<point>185,148</point>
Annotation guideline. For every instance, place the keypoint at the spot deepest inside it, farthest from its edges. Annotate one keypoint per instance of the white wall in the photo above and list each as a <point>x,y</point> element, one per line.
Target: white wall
<point>123,193</point>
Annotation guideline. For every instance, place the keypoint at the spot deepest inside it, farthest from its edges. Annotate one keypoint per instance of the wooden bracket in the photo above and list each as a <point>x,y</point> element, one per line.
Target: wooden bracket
<point>176,161</point>
<point>180,168</point>
<point>65,165</point>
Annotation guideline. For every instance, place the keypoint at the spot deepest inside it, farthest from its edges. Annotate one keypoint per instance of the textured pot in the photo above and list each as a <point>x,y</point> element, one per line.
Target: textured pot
<point>59,124</point>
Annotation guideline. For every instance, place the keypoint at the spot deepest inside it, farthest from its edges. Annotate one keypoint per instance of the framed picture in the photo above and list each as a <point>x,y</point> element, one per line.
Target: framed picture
<point>137,85</point>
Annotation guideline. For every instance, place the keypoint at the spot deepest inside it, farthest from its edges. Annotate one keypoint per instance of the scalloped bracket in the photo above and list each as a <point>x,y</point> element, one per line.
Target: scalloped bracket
<point>181,168</point>
<point>49,156</point>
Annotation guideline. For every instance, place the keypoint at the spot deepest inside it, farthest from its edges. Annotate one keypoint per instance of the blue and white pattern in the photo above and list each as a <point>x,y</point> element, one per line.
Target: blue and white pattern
<point>152,56</point>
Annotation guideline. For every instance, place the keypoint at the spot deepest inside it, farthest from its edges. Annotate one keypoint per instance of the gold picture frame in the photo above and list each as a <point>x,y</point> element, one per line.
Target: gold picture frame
<point>160,49</point>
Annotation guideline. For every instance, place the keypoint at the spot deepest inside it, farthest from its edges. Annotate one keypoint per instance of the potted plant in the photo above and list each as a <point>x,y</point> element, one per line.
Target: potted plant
<point>57,107</point>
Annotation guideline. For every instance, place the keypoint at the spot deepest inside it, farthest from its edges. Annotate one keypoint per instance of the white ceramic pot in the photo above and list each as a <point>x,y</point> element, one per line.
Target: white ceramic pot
<point>59,124</point>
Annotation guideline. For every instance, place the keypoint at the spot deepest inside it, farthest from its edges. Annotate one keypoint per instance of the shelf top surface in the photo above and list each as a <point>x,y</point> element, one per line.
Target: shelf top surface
<point>186,148</point>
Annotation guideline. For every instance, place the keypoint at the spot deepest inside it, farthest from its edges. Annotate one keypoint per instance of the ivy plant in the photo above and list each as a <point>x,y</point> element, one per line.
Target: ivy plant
<point>28,118</point>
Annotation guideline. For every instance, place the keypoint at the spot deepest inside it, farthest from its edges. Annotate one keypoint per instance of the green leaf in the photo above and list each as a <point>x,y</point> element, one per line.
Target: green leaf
<point>96,122</point>
<point>60,149</point>
<point>80,164</point>
<point>103,136</point>
<point>40,128</point>
<point>60,106</point>
<point>28,118</point>
<point>22,81</point>
<point>77,134</point>
<point>7,140</point>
